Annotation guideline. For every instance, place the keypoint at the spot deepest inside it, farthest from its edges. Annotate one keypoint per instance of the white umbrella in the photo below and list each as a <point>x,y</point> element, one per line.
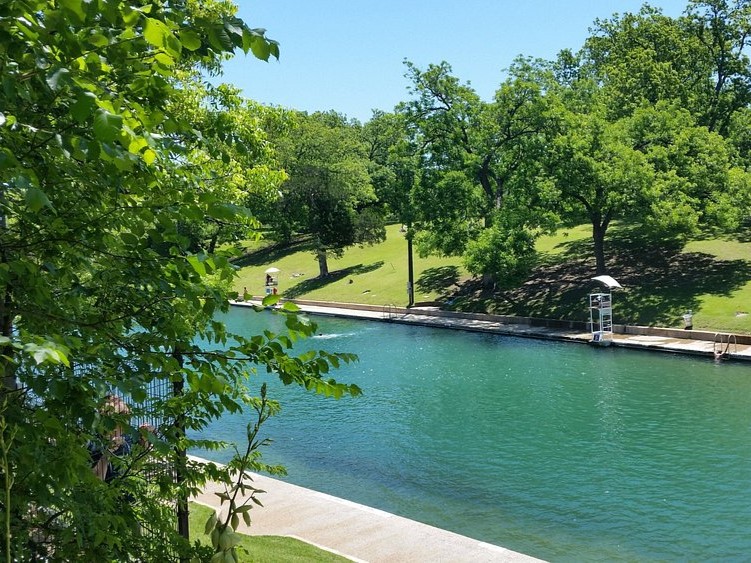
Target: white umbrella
<point>272,271</point>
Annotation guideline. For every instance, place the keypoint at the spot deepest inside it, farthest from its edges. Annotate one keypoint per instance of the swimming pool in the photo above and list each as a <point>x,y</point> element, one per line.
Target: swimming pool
<point>560,451</point>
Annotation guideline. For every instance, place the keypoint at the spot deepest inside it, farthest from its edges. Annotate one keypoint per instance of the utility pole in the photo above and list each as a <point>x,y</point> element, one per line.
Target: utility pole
<point>410,269</point>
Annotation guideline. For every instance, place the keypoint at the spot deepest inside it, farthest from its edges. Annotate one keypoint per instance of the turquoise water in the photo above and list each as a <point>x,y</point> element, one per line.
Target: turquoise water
<point>560,451</point>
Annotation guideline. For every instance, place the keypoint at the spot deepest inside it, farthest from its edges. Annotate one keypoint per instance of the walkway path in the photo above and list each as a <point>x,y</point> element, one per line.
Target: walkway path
<point>362,533</point>
<point>357,532</point>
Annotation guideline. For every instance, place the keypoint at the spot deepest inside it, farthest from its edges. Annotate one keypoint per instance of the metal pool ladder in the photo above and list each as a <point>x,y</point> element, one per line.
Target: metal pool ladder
<point>389,312</point>
<point>723,339</point>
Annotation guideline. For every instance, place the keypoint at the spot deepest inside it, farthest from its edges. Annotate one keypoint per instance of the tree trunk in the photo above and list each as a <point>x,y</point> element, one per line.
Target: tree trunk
<point>214,240</point>
<point>323,265</point>
<point>7,364</point>
<point>598,236</point>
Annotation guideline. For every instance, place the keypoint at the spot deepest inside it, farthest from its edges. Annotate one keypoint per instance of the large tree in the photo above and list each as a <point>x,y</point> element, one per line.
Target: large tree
<point>328,195</point>
<point>480,161</point>
<point>699,60</point>
<point>231,158</point>
<point>721,30</point>
<point>100,292</point>
<point>653,109</point>
<point>395,173</point>
<point>655,167</point>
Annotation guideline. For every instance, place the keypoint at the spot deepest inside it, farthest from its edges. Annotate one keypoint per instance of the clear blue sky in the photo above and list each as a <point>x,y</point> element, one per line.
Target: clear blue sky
<point>348,55</point>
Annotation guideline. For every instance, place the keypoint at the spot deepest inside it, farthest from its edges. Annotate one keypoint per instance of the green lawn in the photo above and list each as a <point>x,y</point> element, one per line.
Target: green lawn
<point>263,549</point>
<point>375,275</point>
<point>662,280</point>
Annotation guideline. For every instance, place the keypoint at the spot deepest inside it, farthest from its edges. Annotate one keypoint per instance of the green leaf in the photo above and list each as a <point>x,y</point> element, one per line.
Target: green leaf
<point>197,264</point>
<point>173,46</point>
<point>164,59</point>
<point>36,199</point>
<point>129,239</point>
<point>107,125</point>
<point>255,40</point>
<point>220,39</point>
<point>234,27</point>
<point>190,39</point>
<point>149,156</point>
<point>270,300</point>
<point>74,7</point>
<point>57,78</point>
<point>229,539</point>
<point>136,144</point>
<point>98,40</point>
<point>223,211</point>
<point>156,32</point>
<point>46,353</point>
<point>7,159</point>
<point>81,109</point>
<point>210,523</point>
<point>291,307</point>
<point>274,48</point>
<point>139,395</point>
<point>257,44</point>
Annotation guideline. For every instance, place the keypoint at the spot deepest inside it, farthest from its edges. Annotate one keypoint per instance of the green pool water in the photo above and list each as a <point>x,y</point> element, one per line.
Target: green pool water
<point>561,451</point>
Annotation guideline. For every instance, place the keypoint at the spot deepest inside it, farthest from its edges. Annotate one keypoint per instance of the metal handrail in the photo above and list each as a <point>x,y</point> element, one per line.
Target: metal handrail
<point>724,339</point>
<point>389,311</point>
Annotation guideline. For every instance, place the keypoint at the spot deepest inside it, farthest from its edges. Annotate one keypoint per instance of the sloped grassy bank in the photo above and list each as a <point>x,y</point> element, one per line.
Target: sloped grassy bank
<point>662,279</point>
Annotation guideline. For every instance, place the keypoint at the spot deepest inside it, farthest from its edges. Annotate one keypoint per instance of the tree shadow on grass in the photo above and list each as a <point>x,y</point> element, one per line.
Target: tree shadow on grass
<point>660,283</point>
<point>439,279</point>
<point>309,285</point>
<point>274,252</point>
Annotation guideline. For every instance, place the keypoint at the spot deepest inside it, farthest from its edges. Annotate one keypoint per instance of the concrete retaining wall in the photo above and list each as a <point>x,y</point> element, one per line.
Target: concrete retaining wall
<point>533,321</point>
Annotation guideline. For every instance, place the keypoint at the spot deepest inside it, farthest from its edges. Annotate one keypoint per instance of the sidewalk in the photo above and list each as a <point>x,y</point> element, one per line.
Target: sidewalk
<point>357,532</point>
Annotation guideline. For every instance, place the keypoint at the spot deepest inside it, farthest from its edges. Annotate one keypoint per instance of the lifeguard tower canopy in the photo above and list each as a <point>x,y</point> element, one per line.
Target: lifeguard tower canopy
<point>607,281</point>
<point>601,311</point>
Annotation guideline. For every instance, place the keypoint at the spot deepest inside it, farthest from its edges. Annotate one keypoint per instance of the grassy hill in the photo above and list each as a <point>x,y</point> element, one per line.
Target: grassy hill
<point>375,275</point>
<point>711,277</point>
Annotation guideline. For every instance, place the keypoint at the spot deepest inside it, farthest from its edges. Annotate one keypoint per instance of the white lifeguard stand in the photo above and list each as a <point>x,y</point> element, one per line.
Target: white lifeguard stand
<point>601,312</point>
<point>272,281</point>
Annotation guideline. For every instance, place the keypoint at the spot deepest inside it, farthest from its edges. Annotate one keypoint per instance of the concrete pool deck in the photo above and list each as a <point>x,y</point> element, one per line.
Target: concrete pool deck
<point>700,343</point>
<point>361,533</point>
<point>354,531</point>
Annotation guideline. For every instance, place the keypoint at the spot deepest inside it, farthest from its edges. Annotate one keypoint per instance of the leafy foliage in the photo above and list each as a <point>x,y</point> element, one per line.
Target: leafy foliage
<point>329,194</point>
<point>242,496</point>
<point>644,123</point>
<point>480,164</point>
<point>103,152</point>
<point>646,113</point>
<point>503,254</point>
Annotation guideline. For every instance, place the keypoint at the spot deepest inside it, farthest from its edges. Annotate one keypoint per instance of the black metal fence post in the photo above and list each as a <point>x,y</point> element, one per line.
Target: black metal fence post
<point>181,458</point>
